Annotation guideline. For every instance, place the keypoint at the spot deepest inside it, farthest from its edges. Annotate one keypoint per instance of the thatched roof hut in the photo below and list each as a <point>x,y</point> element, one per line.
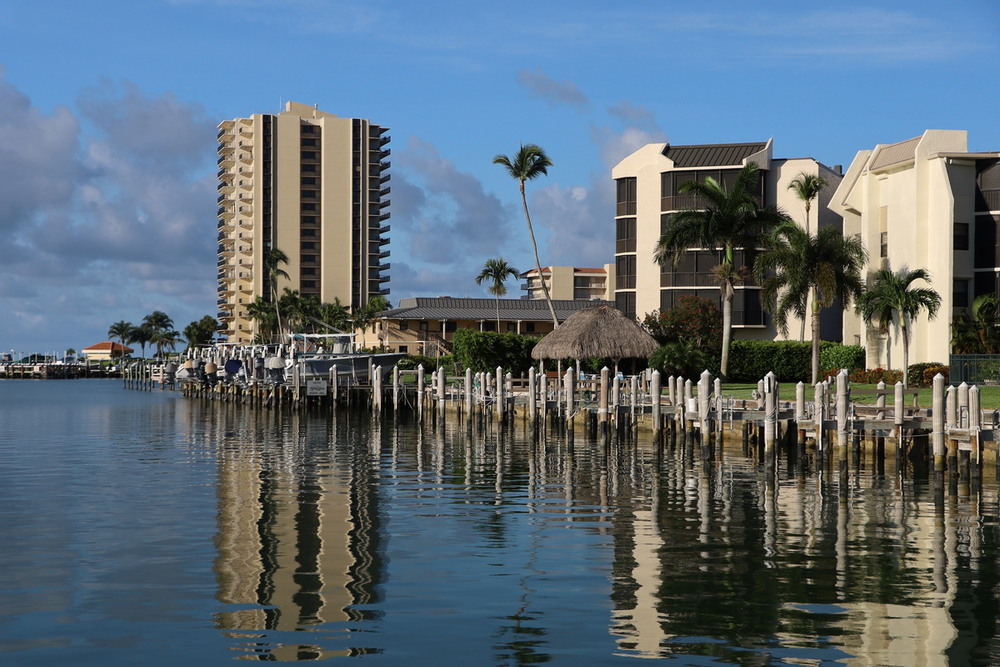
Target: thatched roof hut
<point>602,331</point>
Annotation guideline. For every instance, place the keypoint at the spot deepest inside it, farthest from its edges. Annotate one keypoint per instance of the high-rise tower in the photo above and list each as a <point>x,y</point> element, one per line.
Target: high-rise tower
<point>312,185</point>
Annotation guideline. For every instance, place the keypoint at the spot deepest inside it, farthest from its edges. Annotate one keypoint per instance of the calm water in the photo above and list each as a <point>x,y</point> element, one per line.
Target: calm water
<point>143,528</point>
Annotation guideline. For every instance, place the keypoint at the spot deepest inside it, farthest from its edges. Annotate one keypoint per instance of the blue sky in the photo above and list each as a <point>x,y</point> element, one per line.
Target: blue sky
<point>106,220</point>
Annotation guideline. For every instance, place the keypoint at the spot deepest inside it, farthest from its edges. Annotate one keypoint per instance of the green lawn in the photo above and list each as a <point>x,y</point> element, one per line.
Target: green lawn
<point>989,395</point>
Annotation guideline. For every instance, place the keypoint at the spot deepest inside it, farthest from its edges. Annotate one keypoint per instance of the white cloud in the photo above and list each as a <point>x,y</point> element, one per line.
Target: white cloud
<point>554,92</point>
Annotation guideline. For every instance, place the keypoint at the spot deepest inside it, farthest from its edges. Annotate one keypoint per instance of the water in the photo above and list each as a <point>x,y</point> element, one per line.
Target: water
<point>144,528</point>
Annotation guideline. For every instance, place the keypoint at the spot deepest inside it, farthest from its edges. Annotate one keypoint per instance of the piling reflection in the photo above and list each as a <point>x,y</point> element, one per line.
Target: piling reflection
<point>701,552</point>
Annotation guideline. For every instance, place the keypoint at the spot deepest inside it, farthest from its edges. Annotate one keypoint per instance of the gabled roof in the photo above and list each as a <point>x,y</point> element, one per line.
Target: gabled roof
<point>447,308</point>
<point>712,155</point>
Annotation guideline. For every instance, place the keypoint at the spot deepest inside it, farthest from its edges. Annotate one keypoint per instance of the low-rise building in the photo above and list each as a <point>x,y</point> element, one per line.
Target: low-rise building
<point>106,351</point>
<point>424,325</point>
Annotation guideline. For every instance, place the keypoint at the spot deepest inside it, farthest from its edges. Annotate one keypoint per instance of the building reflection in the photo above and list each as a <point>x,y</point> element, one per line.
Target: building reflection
<point>297,541</point>
<point>855,568</point>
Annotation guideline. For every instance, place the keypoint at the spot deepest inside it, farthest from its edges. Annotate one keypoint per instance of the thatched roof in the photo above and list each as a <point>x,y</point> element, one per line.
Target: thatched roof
<point>602,331</point>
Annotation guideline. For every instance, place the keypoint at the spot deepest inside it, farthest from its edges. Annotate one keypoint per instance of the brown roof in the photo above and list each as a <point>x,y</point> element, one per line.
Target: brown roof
<point>712,155</point>
<point>601,331</point>
<point>109,347</point>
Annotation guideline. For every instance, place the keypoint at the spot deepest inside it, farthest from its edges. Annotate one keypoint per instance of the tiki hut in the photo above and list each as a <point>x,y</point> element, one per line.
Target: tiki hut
<point>602,331</point>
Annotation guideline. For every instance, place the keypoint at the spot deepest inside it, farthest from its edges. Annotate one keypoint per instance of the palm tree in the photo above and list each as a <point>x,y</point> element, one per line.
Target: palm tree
<point>158,320</point>
<point>164,338</point>
<point>497,271</point>
<point>272,269</point>
<point>263,312</point>
<point>528,163</point>
<point>141,334</point>
<point>889,299</point>
<point>807,188</point>
<point>801,271</point>
<point>978,333</point>
<point>201,332</point>
<point>730,219</point>
<point>121,330</point>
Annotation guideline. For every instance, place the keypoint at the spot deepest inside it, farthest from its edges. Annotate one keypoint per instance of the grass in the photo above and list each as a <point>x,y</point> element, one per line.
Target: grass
<point>989,395</point>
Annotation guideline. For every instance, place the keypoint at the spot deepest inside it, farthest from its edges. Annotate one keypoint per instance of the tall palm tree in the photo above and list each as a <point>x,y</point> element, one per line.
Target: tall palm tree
<point>263,313</point>
<point>889,300</point>
<point>141,334</point>
<point>121,330</point>
<point>978,333</point>
<point>273,260</point>
<point>158,320</point>
<point>497,271</point>
<point>801,271</point>
<point>529,163</point>
<point>730,218</point>
<point>807,188</point>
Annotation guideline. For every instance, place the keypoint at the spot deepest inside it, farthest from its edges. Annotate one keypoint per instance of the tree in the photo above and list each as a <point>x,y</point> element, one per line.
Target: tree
<point>730,219</point>
<point>363,316</point>
<point>121,330</point>
<point>201,332</point>
<point>265,315</point>
<point>158,320</point>
<point>978,333</point>
<point>529,163</point>
<point>272,269</point>
<point>141,334</point>
<point>164,338</point>
<point>800,270</point>
<point>497,271</point>
<point>807,188</point>
<point>889,300</point>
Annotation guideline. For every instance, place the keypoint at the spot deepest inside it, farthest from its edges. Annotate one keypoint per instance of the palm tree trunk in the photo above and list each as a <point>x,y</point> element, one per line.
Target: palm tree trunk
<point>815,343</point>
<point>498,313</point>
<point>906,352</point>
<point>727,327</point>
<point>538,263</point>
<point>802,325</point>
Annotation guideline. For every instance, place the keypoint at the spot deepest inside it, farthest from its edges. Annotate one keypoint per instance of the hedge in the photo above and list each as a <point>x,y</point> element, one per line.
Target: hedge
<point>791,361</point>
<point>483,351</point>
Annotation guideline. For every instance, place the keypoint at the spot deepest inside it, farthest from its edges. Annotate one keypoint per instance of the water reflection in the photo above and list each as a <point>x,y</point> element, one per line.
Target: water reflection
<point>339,536</point>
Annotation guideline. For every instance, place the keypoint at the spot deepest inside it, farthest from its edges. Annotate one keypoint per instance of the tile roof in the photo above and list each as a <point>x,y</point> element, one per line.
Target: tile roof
<point>109,346</point>
<point>712,155</point>
<point>446,308</point>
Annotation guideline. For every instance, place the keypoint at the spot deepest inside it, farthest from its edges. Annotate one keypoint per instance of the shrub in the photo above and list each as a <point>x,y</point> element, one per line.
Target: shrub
<point>430,364</point>
<point>931,371</point>
<point>835,355</point>
<point>681,358</point>
<point>915,373</point>
<point>483,351</point>
<point>751,360</point>
<point>875,375</point>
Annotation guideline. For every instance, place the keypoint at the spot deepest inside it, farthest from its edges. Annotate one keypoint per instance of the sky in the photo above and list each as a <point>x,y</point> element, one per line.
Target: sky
<point>108,114</point>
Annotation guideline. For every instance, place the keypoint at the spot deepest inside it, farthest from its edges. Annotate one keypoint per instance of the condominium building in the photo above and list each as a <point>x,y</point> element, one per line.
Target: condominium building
<point>924,203</point>
<point>570,283</point>
<point>312,185</point>
<point>648,186</point>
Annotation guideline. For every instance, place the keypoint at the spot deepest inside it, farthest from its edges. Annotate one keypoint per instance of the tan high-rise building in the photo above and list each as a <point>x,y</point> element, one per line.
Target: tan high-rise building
<point>312,185</point>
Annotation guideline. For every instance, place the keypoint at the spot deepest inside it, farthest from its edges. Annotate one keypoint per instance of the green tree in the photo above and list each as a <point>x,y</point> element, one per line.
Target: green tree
<point>729,219</point>
<point>496,271</point>
<point>800,270</point>
<point>264,314</point>
<point>201,332</point>
<point>121,330</point>
<point>141,334</point>
<point>529,163</point>
<point>273,260</point>
<point>362,317</point>
<point>889,300</point>
<point>977,333</point>
<point>807,188</point>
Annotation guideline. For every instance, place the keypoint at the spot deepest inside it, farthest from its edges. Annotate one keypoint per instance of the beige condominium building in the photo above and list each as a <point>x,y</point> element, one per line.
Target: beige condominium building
<point>312,185</point>
<point>571,283</point>
<point>648,186</point>
<point>924,203</point>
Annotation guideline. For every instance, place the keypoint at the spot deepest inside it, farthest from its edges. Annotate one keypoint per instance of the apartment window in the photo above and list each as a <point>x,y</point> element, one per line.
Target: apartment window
<point>308,168</point>
<point>961,236</point>
<point>308,155</point>
<point>625,235</point>
<point>308,259</point>
<point>308,284</point>
<point>404,349</point>
<point>308,142</point>
<point>986,252</point>
<point>512,327</point>
<point>308,232</point>
<point>450,326</point>
<point>404,325</point>
<point>625,271</point>
<point>307,206</point>
<point>489,326</point>
<point>308,271</point>
<point>883,247</point>
<point>308,180</point>
<point>529,327</point>
<point>625,302</point>
<point>424,326</point>
<point>960,293</point>
<point>308,245</point>
<point>309,220</point>
<point>626,196</point>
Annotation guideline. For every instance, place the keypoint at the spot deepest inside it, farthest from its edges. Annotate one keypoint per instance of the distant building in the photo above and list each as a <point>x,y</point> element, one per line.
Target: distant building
<point>570,283</point>
<point>421,325</point>
<point>924,203</point>
<point>648,186</point>
<point>106,351</point>
<point>312,185</point>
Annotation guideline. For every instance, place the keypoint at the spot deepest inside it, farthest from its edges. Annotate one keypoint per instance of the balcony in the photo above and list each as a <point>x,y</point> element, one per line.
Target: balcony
<point>246,210</point>
<point>225,149</point>
<point>245,144</point>
<point>384,229</point>
<point>225,316</point>
<point>384,267</point>
<point>383,216</point>
<point>225,188</point>
<point>384,254</point>
<point>224,254</point>
<point>384,165</point>
<point>384,179</point>
<point>245,157</point>
<point>245,236</point>
<point>226,240</point>
<point>246,171</point>
<point>226,213</point>
<point>383,279</point>
<point>246,223</point>
<point>246,250</point>
<point>383,154</point>
<point>246,183</point>
<point>225,162</point>
<point>225,227</point>
<point>384,191</point>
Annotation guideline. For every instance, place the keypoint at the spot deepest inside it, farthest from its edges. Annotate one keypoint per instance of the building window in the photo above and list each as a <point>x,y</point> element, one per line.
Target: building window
<point>308,245</point>
<point>308,232</point>
<point>625,235</point>
<point>961,236</point>
<point>308,168</point>
<point>308,259</point>
<point>308,155</point>
<point>529,327</point>
<point>423,325</point>
<point>489,326</point>
<point>308,142</point>
<point>626,196</point>
<point>625,302</point>
<point>960,293</point>
<point>306,206</point>
<point>986,252</point>
<point>404,325</point>
<point>308,271</point>
<point>404,349</point>
<point>308,284</point>
<point>450,326</point>
<point>625,271</point>
<point>883,247</point>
